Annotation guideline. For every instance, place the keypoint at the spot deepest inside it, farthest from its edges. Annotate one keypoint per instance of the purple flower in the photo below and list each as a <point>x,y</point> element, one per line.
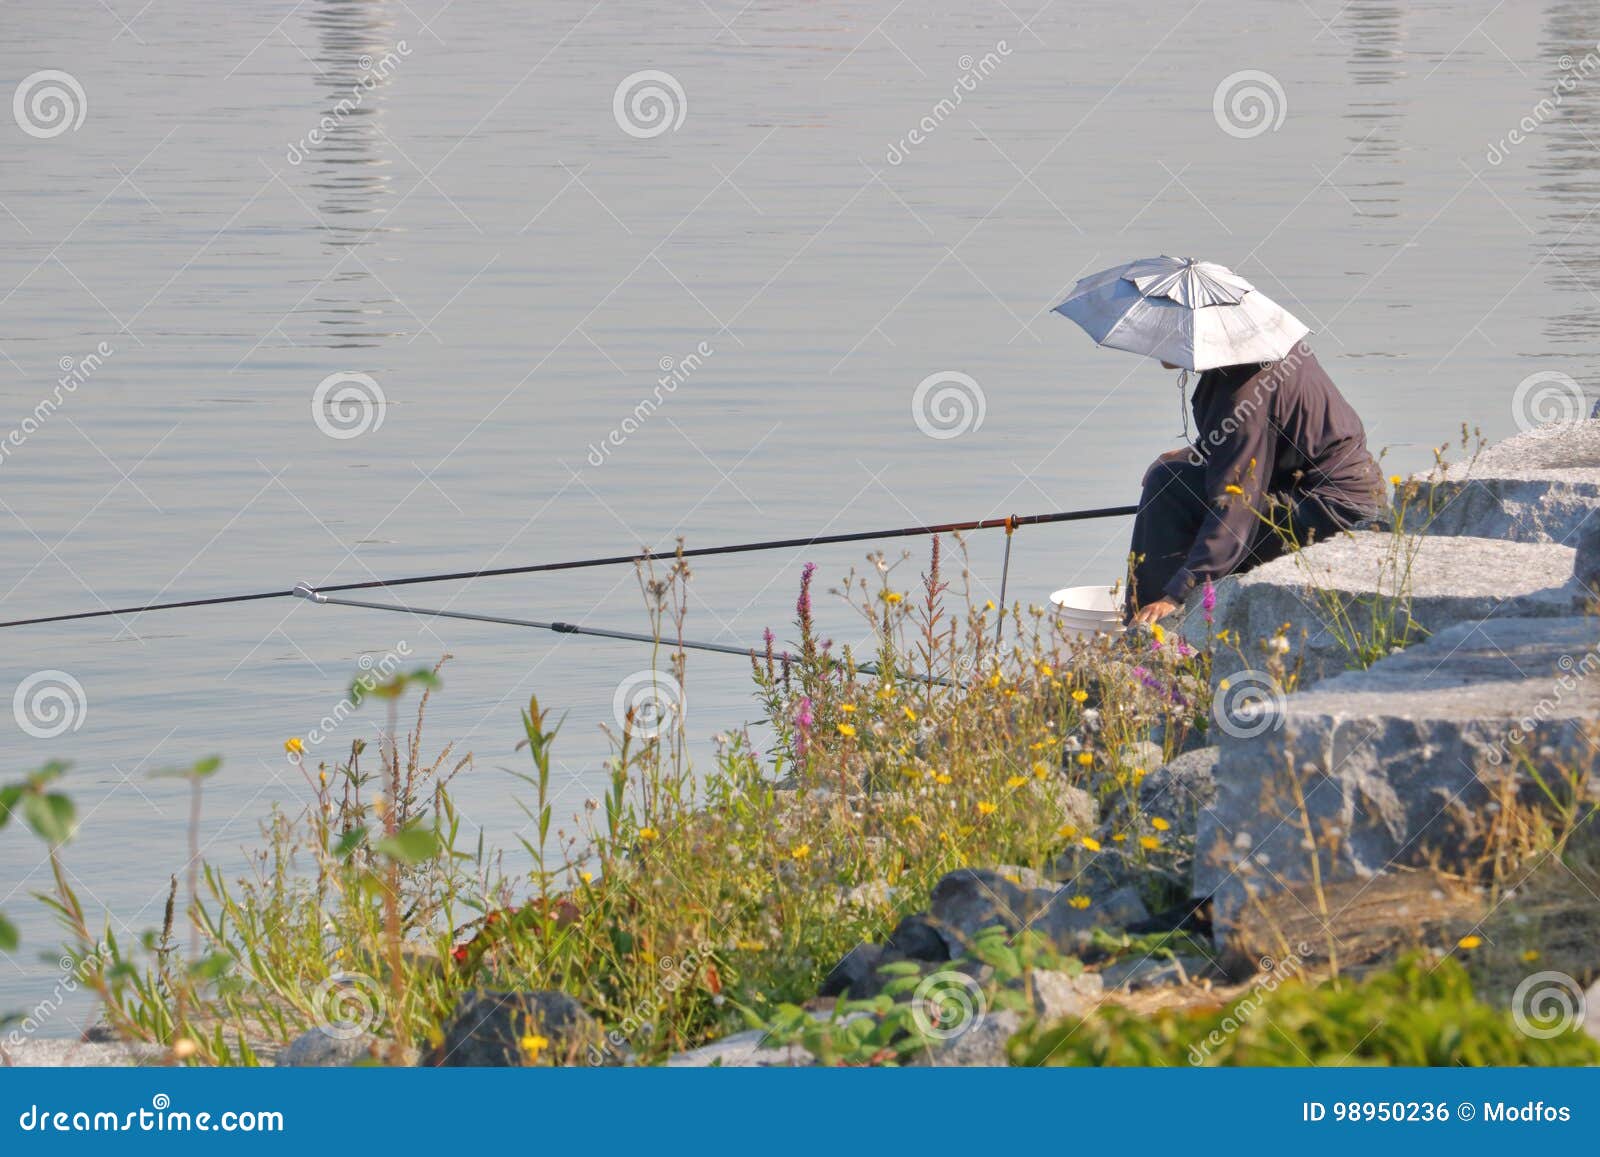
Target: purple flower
<point>1208,601</point>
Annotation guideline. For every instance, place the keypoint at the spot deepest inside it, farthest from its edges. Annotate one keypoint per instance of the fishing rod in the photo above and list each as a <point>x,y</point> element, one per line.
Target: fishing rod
<point>1009,522</point>
<point>310,593</point>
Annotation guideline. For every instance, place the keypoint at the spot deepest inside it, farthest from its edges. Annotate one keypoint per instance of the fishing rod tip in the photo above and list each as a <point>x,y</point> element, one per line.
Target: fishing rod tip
<point>307,591</point>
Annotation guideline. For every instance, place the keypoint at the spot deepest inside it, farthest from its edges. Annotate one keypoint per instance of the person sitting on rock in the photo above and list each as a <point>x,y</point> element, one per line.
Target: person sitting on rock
<point>1280,459</point>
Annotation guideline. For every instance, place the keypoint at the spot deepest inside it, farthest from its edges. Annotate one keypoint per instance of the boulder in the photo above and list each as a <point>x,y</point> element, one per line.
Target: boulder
<point>968,900</point>
<point>494,1029</point>
<point>983,1045</point>
<point>1134,973</point>
<point>1320,591</point>
<point>1538,486</point>
<point>856,975</point>
<point>1397,764</point>
<point>319,1049</point>
<point>1180,789</point>
<point>1071,928</point>
<point>917,938</point>
<point>744,1050</point>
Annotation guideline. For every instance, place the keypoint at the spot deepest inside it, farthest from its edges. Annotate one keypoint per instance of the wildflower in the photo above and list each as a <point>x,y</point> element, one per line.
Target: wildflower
<point>1086,758</point>
<point>586,877</point>
<point>988,605</point>
<point>909,714</point>
<point>1044,669</point>
<point>1091,843</point>
<point>1158,633</point>
<point>1279,644</point>
<point>1149,843</point>
<point>1119,837</point>
<point>1395,480</point>
<point>1079,902</point>
<point>800,851</point>
<point>1158,823</point>
<point>1468,943</point>
<point>846,730</point>
<point>1530,955</point>
<point>648,834</point>
<point>295,746</point>
<point>1040,771</point>
<point>1208,601</point>
<point>1138,774</point>
<point>847,708</point>
<point>1080,695</point>
<point>985,808</point>
<point>941,779</point>
<point>893,597</point>
<point>886,693</point>
<point>533,1045</point>
<point>994,680</point>
<point>1016,781</point>
<point>1231,489</point>
<point>1066,831</point>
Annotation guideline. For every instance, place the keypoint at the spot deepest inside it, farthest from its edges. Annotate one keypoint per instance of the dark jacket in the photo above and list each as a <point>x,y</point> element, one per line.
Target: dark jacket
<point>1279,432</point>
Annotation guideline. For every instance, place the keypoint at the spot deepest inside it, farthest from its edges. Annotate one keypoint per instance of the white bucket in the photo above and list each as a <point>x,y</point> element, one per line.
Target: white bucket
<point>1086,611</point>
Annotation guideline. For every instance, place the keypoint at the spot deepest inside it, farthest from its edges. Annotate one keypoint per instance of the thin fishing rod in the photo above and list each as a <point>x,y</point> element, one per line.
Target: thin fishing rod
<point>307,592</point>
<point>612,560</point>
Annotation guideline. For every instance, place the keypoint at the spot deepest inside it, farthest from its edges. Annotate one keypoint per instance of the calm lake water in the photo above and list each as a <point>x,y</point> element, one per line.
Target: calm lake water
<point>447,200</point>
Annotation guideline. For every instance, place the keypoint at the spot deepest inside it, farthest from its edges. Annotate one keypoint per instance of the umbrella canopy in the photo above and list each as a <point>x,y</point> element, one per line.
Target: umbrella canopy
<point>1194,314</point>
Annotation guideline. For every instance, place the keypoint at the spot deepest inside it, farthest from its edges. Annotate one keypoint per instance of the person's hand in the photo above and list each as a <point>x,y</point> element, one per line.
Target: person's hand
<point>1154,612</point>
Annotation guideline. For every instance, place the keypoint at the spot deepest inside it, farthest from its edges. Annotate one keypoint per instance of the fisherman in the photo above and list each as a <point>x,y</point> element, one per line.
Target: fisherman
<point>1280,457</point>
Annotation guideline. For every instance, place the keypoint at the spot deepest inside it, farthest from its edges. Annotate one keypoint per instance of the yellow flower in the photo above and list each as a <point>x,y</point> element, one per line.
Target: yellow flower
<point>1080,695</point>
<point>994,680</point>
<point>846,730</point>
<point>1119,837</point>
<point>1530,955</point>
<point>1468,943</point>
<point>910,714</point>
<point>586,877</point>
<point>1040,771</point>
<point>1222,684</point>
<point>1158,632</point>
<point>648,834</point>
<point>985,808</point>
<point>800,851</point>
<point>988,605</point>
<point>1395,480</point>
<point>847,708</point>
<point>1086,758</point>
<point>1149,843</point>
<point>885,692</point>
<point>295,746</point>
<point>533,1045</point>
<point>893,597</point>
<point>1016,781</point>
<point>941,779</point>
<point>1044,669</point>
<point>1159,824</point>
<point>1091,843</point>
<point>1233,489</point>
<point>1066,831</point>
<point>1079,902</point>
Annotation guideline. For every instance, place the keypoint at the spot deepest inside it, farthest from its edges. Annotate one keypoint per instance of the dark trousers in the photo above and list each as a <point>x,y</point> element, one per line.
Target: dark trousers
<point>1173,507</point>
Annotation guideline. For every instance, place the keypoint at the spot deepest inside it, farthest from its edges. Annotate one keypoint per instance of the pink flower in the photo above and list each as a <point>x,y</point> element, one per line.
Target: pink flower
<point>1208,601</point>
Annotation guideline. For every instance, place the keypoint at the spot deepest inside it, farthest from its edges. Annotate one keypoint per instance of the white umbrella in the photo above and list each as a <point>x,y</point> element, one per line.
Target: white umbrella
<point>1193,314</point>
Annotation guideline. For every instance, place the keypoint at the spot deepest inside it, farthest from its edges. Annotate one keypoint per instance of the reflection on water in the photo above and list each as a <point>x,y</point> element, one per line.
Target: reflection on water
<point>1569,165</point>
<point>1373,33</point>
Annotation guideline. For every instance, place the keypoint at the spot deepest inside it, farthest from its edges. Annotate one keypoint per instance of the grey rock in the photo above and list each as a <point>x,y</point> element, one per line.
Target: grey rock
<point>486,1029</point>
<point>1536,487</point>
<point>77,1054</point>
<point>1058,995</point>
<point>319,1049</point>
<point>856,975</point>
<point>1071,929</point>
<point>1397,762</point>
<point>968,900</point>
<point>1448,580</point>
<point>1134,973</point>
<point>1180,789</point>
<point>1591,1010</point>
<point>1066,805</point>
<point>982,1045</point>
<point>744,1050</point>
<point>917,938</point>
